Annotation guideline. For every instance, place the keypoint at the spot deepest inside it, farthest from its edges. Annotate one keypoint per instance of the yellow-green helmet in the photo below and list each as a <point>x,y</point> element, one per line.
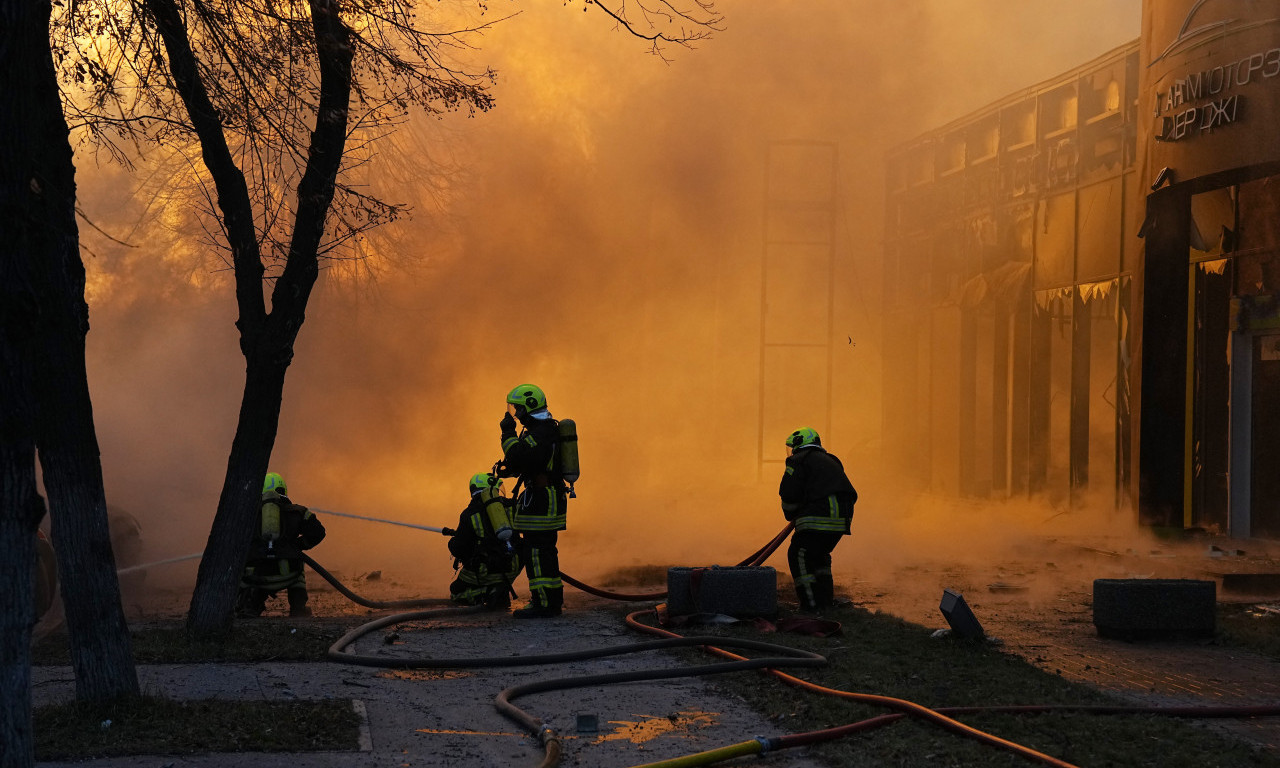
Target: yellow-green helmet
<point>528,397</point>
<point>274,482</point>
<point>802,437</point>
<point>483,480</point>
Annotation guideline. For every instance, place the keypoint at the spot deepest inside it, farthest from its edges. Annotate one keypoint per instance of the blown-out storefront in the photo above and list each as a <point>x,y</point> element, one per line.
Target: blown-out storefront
<point>1009,269</point>
<point>1082,283</point>
<point>1208,405</point>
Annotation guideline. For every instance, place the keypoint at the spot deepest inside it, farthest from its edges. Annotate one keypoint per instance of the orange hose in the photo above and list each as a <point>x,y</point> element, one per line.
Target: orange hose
<point>898,705</point>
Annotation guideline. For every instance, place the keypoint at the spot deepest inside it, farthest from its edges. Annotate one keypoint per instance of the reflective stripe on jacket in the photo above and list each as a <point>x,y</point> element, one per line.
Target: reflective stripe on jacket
<point>542,502</point>
<point>815,491</point>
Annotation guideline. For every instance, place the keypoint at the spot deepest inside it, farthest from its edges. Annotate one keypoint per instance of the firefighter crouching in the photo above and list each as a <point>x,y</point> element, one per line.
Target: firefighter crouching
<point>818,497</point>
<point>285,529</point>
<point>539,512</point>
<point>484,547</point>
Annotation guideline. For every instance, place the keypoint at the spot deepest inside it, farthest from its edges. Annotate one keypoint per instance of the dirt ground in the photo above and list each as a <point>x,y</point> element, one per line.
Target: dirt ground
<point>1038,602</point>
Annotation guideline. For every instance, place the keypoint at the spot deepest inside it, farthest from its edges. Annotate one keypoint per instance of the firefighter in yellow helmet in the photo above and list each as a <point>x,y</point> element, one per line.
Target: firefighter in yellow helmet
<point>484,547</point>
<point>284,530</point>
<point>540,495</point>
<point>818,497</point>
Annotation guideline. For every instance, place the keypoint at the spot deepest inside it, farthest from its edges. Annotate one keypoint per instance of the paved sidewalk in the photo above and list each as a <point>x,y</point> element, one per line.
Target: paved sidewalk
<point>448,718</point>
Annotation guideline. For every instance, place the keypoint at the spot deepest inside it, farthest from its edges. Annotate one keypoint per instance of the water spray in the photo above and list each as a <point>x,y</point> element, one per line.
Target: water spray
<point>432,528</point>
<point>144,566</point>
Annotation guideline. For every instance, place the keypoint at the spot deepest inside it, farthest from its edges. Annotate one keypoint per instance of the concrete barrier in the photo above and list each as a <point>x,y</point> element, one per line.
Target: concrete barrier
<point>742,591</point>
<point>1145,609</point>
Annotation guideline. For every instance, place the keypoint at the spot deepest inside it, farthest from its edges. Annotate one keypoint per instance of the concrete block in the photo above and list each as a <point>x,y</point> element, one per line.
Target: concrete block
<point>959,615</point>
<point>1144,609</point>
<point>742,591</point>
<point>1256,584</point>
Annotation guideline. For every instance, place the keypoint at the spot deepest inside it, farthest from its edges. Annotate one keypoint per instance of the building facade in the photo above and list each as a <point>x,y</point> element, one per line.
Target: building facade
<point>1080,282</point>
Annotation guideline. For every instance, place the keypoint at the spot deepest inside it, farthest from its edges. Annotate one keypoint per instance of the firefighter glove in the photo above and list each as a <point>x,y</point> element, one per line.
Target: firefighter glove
<point>508,423</point>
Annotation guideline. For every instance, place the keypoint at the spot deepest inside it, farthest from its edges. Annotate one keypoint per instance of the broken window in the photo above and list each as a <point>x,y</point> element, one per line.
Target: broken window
<point>1055,241</point>
<point>1098,236</point>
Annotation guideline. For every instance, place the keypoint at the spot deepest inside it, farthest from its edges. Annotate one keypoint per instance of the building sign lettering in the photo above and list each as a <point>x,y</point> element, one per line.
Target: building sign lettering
<point>1194,120</point>
<point>1204,101</point>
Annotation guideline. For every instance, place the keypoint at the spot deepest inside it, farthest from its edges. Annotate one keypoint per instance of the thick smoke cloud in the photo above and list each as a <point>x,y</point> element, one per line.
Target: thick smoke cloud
<point>598,233</point>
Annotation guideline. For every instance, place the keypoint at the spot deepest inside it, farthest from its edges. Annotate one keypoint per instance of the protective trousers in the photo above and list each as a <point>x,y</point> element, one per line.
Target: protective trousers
<point>542,565</point>
<point>809,556</point>
<point>252,601</point>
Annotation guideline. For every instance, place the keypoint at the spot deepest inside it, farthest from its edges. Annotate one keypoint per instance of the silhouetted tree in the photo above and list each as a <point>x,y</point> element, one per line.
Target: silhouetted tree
<point>44,394</point>
<point>267,89</point>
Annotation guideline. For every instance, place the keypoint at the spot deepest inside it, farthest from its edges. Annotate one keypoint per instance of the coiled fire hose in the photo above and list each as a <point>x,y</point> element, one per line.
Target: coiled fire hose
<point>941,716</point>
<point>551,741</point>
<point>789,657</point>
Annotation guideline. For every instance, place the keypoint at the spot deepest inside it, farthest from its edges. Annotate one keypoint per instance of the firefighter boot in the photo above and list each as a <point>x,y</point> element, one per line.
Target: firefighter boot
<point>298,602</point>
<point>251,602</point>
<point>498,598</point>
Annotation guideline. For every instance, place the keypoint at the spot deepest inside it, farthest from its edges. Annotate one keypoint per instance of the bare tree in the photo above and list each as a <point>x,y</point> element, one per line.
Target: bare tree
<point>282,97</point>
<point>44,394</point>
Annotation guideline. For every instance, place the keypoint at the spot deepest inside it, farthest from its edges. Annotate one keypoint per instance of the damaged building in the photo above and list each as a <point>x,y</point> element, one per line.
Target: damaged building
<point>1081,283</point>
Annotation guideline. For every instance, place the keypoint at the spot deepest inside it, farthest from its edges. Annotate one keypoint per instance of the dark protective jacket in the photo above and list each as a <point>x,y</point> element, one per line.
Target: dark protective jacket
<point>532,456</point>
<point>475,541</point>
<point>815,491</point>
<point>285,529</point>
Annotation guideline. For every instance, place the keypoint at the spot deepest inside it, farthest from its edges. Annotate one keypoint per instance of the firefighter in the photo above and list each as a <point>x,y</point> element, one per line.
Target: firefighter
<point>540,498</point>
<point>285,529</point>
<point>484,547</point>
<point>818,497</point>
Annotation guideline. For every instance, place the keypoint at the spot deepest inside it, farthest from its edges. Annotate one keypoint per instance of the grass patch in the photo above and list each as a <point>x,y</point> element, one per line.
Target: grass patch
<point>1248,626</point>
<point>270,639</point>
<point>885,655</point>
<point>154,726</point>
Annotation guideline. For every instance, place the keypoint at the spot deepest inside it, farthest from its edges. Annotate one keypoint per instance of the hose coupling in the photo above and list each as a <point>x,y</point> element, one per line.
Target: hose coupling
<point>764,744</point>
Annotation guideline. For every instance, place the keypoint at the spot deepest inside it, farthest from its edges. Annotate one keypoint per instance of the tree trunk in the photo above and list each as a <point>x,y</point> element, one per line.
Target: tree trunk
<point>20,507</point>
<point>265,339</point>
<point>218,580</point>
<point>20,513</point>
<point>39,180</point>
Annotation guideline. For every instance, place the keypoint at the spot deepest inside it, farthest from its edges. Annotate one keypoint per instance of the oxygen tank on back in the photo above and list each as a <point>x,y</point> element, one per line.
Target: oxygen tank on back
<point>567,446</point>
<point>270,523</point>
<point>496,509</point>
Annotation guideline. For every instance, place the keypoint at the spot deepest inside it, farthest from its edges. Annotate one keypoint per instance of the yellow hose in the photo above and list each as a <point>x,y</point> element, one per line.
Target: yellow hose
<point>752,747</point>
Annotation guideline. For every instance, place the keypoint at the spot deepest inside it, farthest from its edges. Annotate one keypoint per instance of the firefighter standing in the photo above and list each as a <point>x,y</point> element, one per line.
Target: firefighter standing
<point>539,512</point>
<point>483,547</point>
<point>285,529</point>
<point>818,497</point>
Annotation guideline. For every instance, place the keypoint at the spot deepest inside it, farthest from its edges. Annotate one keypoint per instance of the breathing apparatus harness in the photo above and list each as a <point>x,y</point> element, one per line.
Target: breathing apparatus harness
<point>564,459</point>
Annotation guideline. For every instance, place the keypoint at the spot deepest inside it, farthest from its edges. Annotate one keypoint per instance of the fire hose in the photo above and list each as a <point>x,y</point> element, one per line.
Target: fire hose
<point>787,657</point>
<point>940,716</point>
<point>550,741</point>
